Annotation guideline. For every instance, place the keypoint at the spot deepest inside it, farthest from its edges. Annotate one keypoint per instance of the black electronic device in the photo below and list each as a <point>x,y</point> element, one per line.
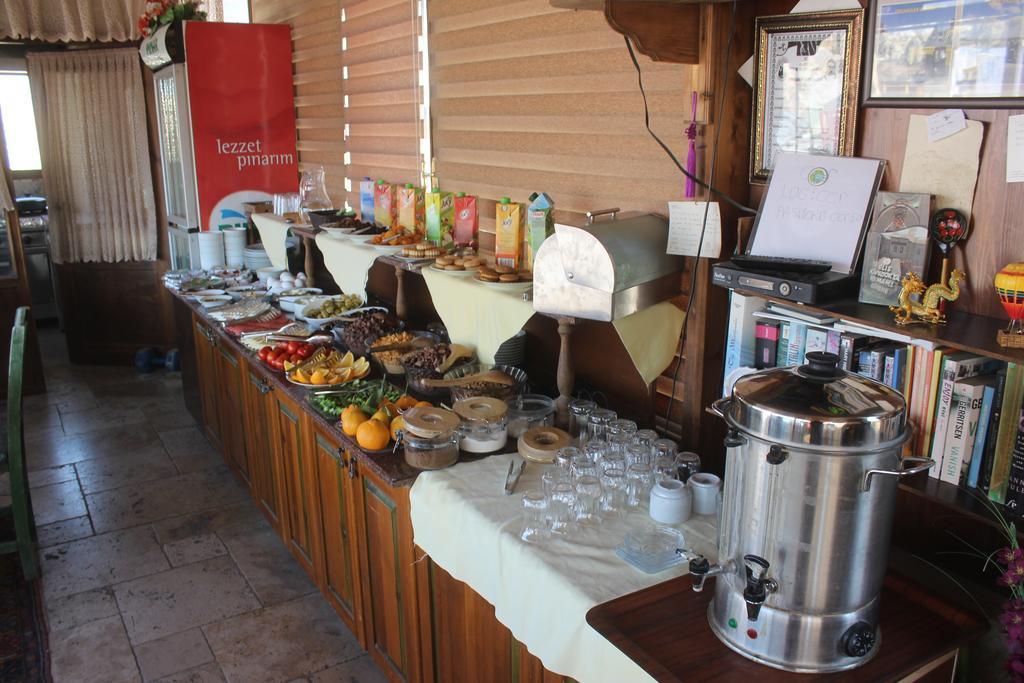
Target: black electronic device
<point>808,288</point>
<point>782,264</point>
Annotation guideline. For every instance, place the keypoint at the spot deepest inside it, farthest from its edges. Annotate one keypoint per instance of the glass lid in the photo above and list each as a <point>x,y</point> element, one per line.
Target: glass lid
<point>818,405</point>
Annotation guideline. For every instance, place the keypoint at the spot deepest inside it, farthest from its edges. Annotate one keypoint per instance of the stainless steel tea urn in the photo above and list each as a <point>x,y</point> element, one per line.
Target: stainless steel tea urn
<point>812,465</point>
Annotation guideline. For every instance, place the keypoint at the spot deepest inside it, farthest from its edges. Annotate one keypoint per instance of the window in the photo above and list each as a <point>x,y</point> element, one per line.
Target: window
<point>19,121</point>
<point>235,11</point>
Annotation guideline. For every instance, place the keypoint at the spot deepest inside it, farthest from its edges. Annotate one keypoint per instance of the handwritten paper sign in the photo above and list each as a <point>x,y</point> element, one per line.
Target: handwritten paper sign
<point>1015,149</point>
<point>816,207</point>
<point>685,224</point>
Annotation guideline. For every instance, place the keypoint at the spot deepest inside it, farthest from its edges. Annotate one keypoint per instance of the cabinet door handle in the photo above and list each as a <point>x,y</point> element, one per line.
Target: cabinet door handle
<point>342,460</point>
<point>264,387</point>
<point>351,468</point>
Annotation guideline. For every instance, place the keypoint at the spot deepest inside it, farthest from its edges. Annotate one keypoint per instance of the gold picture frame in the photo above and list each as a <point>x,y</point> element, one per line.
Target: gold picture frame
<point>806,86</point>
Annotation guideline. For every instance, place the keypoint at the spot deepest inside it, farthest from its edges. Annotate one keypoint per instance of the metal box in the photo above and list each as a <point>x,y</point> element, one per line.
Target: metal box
<point>607,269</point>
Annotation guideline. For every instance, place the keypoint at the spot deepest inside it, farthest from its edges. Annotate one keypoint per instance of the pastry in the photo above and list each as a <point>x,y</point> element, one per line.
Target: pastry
<point>453,267</point>
<point>472,262</point>
<point>508,277</point>
<point>488,276</point>
<point>503,270</point>
<point>525,276</point>
<point>443,261</point>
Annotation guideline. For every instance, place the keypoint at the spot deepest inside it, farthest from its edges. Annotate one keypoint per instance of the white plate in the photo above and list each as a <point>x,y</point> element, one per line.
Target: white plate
<point>361,238</point>
<point>207,292</point>
<point>340,233</point>
<point>214,300</point>
<point>457,273</point>
<point>506,286</point>
<point>388,247</point>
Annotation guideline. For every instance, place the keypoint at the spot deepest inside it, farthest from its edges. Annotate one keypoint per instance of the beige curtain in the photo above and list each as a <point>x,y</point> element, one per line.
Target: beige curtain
<point>71,20</point>
<point>91,117</point>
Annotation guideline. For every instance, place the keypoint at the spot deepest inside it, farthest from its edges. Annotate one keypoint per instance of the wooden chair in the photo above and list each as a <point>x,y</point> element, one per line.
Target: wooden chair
<point>12,461</point>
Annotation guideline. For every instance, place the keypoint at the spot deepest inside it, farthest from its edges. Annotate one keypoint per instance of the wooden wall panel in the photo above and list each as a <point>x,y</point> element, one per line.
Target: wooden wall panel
<point>319,94</point>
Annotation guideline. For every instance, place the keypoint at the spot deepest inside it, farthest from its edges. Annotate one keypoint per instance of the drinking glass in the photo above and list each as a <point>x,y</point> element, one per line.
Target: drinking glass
<point>688,464</point>
<point>636,453</point>
<point>588,500</point>
<point>579,416</point>
<point>665,468</point>
<point>613,493</point>
<point>596,449</point>
<point>560,508</point>
<point>645,437</point>
<point>535,512</point>
<point>617,443</point>
<point>564,458</point>
<point>622,426</point>
<point>551,476</point>
<point>639,481</point>
<point>613,461</point>
<point>584,466</point>
<point>597,424</point>
<point>666,447</point>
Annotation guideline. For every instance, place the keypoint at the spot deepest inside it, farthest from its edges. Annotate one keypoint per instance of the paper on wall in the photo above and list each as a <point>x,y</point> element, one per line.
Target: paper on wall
<point>946,168</point>
<point>1015,149</point>
<point>944,123</point>
<point>685,224</point>
<point>746,71</point>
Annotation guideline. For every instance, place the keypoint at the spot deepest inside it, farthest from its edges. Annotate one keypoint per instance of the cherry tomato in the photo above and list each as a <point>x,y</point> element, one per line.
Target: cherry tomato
<point>277,364</point>
<point>306,351</point>
<point>293,346</point>
<point>264,352</point>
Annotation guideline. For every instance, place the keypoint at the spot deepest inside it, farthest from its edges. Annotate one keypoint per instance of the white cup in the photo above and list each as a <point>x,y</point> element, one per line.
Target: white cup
<point>704,486</point>
<point>671,502</point>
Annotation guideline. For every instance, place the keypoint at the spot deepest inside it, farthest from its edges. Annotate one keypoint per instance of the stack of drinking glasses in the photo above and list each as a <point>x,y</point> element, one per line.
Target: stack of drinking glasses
<point>610,469</point>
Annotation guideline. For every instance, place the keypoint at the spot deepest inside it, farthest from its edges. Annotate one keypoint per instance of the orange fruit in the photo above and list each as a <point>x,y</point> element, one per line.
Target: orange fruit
<point>397,425</point>
<point>404,402</point>
<point>351,420</point>
<point>373,435</point>
<point>424,404</point>
<point>318,377</point>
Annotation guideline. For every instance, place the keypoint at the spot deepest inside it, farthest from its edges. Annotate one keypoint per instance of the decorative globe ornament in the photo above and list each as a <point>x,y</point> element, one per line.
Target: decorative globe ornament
<point>1009,284</point>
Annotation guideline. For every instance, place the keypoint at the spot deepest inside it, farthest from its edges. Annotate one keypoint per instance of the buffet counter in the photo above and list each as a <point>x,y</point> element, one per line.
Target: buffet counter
<point>428,571</point>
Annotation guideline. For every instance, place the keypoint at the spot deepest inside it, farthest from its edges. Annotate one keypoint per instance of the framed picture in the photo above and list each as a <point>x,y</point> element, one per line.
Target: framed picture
<point>806,86</point>
<point>962,53</point>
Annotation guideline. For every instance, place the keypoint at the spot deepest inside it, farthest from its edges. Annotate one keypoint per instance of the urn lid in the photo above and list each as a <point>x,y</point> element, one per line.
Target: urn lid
<point>817,405</point>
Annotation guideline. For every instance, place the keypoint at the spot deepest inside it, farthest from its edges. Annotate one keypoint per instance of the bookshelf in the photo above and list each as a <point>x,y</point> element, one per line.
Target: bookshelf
<point>963,331</point>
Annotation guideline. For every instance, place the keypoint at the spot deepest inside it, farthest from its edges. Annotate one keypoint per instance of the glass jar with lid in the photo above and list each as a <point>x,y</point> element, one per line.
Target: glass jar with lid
<point>431,438</point>
<point>484,426</point>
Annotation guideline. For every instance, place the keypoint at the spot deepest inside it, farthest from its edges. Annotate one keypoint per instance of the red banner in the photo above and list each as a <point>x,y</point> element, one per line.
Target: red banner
<point>243,116</point>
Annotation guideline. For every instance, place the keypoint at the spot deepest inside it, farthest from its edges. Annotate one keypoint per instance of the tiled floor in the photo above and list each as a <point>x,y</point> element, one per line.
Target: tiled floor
<point>156,566</point>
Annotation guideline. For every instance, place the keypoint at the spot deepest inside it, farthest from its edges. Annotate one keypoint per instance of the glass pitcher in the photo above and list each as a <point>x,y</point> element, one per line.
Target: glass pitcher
<point>313,192</point>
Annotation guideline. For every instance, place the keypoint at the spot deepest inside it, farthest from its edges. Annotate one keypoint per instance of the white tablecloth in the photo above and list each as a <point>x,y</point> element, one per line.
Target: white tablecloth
<point>348,262</point>
<point>541,592</point>
<point>273,231</point>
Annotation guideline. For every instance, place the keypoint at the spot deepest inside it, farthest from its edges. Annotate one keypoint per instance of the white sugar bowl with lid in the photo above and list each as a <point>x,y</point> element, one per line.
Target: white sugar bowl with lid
<point>671,502</point>
<point>484,426</point>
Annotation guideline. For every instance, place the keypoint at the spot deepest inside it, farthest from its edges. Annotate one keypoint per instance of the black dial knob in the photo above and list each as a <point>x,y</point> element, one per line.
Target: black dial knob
<point>700,565</point>
<point>859,639</point>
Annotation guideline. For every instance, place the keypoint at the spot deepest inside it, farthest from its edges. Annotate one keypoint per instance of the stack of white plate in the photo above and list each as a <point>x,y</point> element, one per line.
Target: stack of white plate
<point>255,257</point>
<point>211,249</point>
<point>234,247</point>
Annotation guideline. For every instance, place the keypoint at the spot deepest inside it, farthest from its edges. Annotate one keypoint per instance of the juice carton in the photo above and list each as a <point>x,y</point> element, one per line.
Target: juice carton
<point>411,215</point>
<point>465,219</point>
<point>539,223</point>
<point>366,199</point>
<point>385,208</point>
<point>508,233</point>
<point>440,217</point>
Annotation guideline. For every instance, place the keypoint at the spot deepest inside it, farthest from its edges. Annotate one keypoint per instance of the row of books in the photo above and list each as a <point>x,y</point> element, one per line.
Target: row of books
<point>966,409</point>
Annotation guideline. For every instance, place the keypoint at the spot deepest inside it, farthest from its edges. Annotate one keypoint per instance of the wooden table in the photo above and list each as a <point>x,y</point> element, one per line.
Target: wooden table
<point>665,630</point>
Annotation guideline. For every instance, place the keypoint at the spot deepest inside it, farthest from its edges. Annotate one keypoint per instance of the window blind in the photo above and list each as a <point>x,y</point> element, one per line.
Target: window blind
<point>380,63</point>
<point>317,76</point>
<point>527,97</point>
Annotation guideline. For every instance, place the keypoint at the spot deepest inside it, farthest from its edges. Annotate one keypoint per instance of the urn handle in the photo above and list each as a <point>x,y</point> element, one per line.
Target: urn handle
<point>719,407</point>
<point>908,467</point>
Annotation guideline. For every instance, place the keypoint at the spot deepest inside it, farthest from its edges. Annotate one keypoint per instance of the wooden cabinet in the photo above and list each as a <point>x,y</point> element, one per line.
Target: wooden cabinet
<point>389,577</point>
<point>206,366</point>
<point>301,499</point>
<point>463,639</point>
<point>229,410</point>
<point>265,477</point>
<point>340,581</point>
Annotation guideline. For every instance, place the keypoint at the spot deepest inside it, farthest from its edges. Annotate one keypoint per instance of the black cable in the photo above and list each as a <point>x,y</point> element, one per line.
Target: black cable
<point>707,204</point>
<point>647,124</point>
